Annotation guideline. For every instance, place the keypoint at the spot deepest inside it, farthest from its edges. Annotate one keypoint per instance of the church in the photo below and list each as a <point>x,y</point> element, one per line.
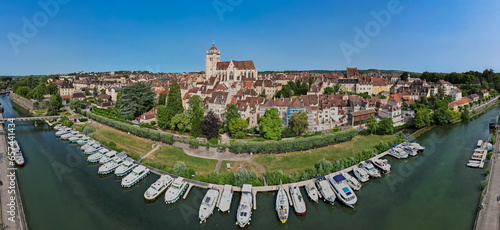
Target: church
<point>229,71</point>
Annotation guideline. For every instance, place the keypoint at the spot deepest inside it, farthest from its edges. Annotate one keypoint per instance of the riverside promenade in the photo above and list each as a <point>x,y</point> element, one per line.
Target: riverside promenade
<point>11,208</point>
<point>489,217</point>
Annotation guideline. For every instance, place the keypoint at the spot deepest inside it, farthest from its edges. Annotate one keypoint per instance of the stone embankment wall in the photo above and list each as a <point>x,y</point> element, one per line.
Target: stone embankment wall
<point>28,103</point>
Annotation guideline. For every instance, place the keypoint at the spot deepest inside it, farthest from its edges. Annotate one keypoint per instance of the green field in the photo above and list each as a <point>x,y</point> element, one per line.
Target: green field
<point>168,155</point>
<point>294,161</point>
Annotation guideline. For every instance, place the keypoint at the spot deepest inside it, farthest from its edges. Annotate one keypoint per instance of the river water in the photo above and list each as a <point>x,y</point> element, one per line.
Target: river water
<point>434,190</point>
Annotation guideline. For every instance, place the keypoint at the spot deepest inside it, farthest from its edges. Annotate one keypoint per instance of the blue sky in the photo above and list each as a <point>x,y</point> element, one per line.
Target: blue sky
<point>172,36</point>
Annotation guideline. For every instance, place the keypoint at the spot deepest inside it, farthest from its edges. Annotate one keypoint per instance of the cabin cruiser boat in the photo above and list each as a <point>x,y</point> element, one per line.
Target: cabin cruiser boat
<point>417,146</point>
<point>244,213</point>
<point>18,154</point>
<point>312,192</point>
<point>370,169</point>
<point>126,167</point>
<point>135,176</point>
<point>208,204</point>
<point>158,187</point>
<point>83,141</point>
<point>94,158</point>
<point>90,144</point>
<point>63,131</point>
<point>76,137</point>
<point>382,165</point>
<point>106,155</point>
<point>298,201</point>
<point>282,205</point>
<point>343,191</point>
<point>473,164</point>
<point>111,165</point>
<point>91,150</point>
<point>479,143</point>
<point>351,181</point>
<point>396,151</point>
<point>325,189</point>
<point>410,150</point>
<point>361,174</point>
<point>58,126</point>
<point>225,199</point>
<point>69,135</point>
<point>175,191</point>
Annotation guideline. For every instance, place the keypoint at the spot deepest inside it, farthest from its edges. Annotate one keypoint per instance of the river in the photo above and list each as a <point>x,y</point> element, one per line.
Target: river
<point>434,190</point>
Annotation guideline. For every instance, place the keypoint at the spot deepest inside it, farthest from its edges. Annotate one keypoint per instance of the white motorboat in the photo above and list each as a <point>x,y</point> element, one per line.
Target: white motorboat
<point>226,198</point>
<point>90,144</point>
<point>479,143</point>
<point>126,167</point>
<point>16,150</point>
<point>382,164</point>
<point>175,191</point>
<point>351,181</point>
<point>83,141</point>
<point>135,176</point>
<point>298,201</point>
<point>325,189</point>
<point>400,153</point>
<point>342,190</point>
<point>417,146</point>
<point>208,204</point>
<point>370,169</point>
<point>158,187</point>
<point>91,150</point>
<point>282,205</point>
<point>76,137</point>
<point>63,131</point>
<point>244,213</point>
<point>361,174</point>
<point>107,155</point>
<point>58,126</point>
<point>312,192</point>
<point>111,165</point>
<point>69,135</point>
<point>94,158</point>
<point>412,151</point>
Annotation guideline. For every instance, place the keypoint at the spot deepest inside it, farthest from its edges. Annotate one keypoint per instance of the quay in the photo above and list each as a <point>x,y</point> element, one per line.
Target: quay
<point>29,118</point>
<point>489,215</point>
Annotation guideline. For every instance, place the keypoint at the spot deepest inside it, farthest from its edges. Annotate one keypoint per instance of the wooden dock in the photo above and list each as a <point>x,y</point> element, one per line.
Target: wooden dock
<point>187,191</point>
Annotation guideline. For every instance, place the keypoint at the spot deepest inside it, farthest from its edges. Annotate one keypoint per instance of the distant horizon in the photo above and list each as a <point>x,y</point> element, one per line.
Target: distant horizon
<point>93,36</point>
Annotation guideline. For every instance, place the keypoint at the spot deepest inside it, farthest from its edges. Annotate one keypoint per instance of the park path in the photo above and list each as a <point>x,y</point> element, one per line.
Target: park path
<point>150,152</point>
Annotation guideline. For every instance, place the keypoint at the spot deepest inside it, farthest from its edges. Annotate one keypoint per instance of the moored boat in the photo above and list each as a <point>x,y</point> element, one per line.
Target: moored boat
<point>351,181</point>
<point>16,150</point>
<point>312,193</point>
<point>175,191</point>
<point>83,141</point>
<point>126,167</point>
<point>382,165</point>
<point>158,187</point>
<point>325,189</point>
<point>400,153</point>
<point>361,174</point>
<point>208,204</point>
<point>226,198</point>
<point>107,155</point>
<point>135,176</point>
<point>342,190</point>
<point>244,213</point>
<point>111,166</point>
<point>282,205</point>
<point>94,158</point>
<point>63,131</point>
<point>92,149</point>
<point>76,137</point>
<point>370,169</point>
<point>299,204</point>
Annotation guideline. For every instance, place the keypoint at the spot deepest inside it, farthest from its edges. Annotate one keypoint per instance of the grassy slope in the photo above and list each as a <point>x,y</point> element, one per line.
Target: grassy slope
<point>294,161</point>
<point>168,155</point>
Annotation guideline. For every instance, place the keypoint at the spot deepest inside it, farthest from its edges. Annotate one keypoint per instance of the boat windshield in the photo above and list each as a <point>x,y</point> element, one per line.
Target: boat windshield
<point>346,191</point>
<point>207,200</point>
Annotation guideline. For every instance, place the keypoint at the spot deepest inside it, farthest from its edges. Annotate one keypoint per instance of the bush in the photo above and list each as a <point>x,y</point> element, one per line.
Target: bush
<point>83,119</point>
<point>213,141</point>
<point>86,130</point>
<point>484,184</point>
<point>490,153</point>
<point>152,123</point>
<point>193,143</point>
<point>487,172</point>
<point>180,168</point>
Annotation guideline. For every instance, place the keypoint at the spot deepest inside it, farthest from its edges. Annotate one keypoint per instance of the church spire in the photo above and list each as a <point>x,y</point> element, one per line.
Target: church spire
<point>213,45</point>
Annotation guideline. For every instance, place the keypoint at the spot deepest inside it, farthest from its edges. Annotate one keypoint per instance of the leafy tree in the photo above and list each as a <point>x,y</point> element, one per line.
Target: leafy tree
<point>180,168</point>
<point>161,116</point>
<point>324,167</point>
<point>372,124</point>
<point>118,96</point>
<point>405,76</point>
<point>231,114</point>
<point>136,99</point>
<point>76,104</point>
<point>455,117</point>
<point>211,125</point>
<point>466,114</point>
<point>271,125</point>
<point>86,130</point>
<point>196,127</point>
<point>311,81</point>
<point>195,108</point>
<point>162,98</point>
<point>103,91</point>
<point>55,101</point>
<point>385,127</point>
<point>95,92</point>
<point>241,177</point>
<point>329,90</point>
<point>52,88</point>
<point>23,91</point>
<point>87,92</point>
<point>422,118</point>
<point>298,123</point>
<point>238,127</point>
<point>180,122</point>
<point>174,101</point>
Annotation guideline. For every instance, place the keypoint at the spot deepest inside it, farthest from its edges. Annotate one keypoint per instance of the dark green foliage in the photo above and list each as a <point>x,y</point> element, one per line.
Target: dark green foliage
<point>385,127</point>
<point>136,99</point>
<point>162,98</point>
<point>231,115</point>
<point>275,177</point>
<point>86,130</point>
<point>174,102</point>
<point>76,104</point>
<point>196,127</point>
<point>210,125</point>
<point>298,123</point>
<point>238,127</point>
<point>271,125</point>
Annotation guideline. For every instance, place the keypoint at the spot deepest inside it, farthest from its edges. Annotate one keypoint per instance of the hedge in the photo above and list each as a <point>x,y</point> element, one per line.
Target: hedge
<point>293,145</point>
<point>138,131</point>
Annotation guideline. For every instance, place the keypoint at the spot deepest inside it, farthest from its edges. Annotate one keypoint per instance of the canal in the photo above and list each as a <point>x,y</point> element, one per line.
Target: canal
<point>434,190</point>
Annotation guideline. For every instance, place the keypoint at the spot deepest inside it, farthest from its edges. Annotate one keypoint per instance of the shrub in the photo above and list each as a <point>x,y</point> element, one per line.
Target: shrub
<point>487,172</point>
<point>193,143</point>
<point>213,141</point>
<point>484,184</point>
<point>180,168</point>
<point>83,119</point>
<point>86,130</point>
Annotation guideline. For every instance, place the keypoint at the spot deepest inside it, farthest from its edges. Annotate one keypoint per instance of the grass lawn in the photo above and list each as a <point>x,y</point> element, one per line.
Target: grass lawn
<point>40,112</point>
<point>236,164</point>
<point>80,127</point>
<point>294,161</point>
<point>168,155</point>
<point>135,146</point>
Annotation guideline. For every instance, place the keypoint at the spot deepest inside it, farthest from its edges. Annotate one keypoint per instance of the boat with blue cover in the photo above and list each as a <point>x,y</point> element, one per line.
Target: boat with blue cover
<point>342,190</point>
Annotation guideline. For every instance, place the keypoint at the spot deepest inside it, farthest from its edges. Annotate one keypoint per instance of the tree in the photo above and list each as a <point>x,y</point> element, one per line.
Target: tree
<point>311,81</point>
<point>87,92</point>
<point>386,127</point>
<point>241,177</point>
<point>196,127</point>
<point>103,91</point>
<point>195,108</point>
<point>23,91</point>
<point>271,125</point>
<point>86,130</point>
<point>422,118</point>
<point>161,116</point>
<point>162,98</point>
<point>211,125</point>
<point>180,168</point>
<point>231,114</point>
<point>180,122</point>
<point>55,101</point>
<point>52,88</point>
<point>405,76</point>
<point>238,127</point>
<point>76,104</point>
<point>39,92</point>
<point>174,101</point>
<point>95,92</point>
<point>136,99</point>
<point>298,123</point>
<point>118,96</point>
<point>329,90</point>
<point>466,114</point>
<point>372,124</point>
